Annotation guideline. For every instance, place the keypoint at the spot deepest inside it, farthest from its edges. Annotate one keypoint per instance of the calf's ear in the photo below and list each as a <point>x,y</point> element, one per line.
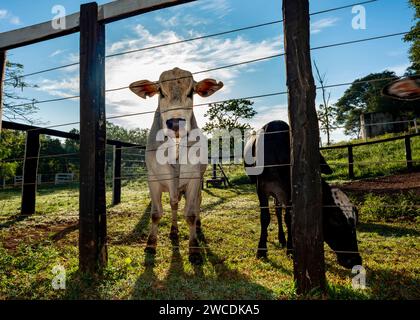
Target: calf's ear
<point>144,88</point>
<point>205,88</point>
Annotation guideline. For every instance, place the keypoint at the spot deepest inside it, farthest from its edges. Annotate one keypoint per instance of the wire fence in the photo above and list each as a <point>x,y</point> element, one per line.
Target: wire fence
<point>220,211</point>
<point>237,65</point>
<point>190,39</point>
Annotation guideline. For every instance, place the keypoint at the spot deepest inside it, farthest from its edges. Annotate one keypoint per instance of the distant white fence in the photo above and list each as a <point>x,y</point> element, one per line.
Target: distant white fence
<point>59,178</point>
<point>18,180</point>
<point>63,178</point>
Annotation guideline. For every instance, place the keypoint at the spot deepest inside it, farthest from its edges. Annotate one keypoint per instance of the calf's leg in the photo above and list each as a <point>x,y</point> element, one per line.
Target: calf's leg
<point>156,214</point>
<point>174,201</point>
<point>282,237</point>
<point>192,209</point>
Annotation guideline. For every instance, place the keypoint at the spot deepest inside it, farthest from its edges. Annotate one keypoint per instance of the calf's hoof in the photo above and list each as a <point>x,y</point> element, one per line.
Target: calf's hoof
<point>196,258</point>
<point>173,235</point>
<point>150,250</point>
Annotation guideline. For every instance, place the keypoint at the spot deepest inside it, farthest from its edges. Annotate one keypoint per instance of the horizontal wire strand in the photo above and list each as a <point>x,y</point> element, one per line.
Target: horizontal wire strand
<point>192,39</point>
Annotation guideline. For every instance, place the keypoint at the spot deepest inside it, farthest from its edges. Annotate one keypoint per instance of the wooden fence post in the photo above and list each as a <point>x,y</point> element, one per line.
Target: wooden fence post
<point>309,265</point>
<point>408,156</point>
<point>116,187</point>
<point>350,161</point>
<point>2,78</point>
<point>92,213</point>
<point>30,173</point>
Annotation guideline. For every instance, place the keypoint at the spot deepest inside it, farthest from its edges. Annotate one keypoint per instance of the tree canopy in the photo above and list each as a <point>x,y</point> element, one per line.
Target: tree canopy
<point>414,37</point>
<point>229,115</point>
<point>364,95</point>
<point>16,107</point>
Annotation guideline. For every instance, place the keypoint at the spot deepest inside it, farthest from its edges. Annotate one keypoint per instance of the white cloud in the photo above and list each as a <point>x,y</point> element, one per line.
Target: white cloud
<point>396,53</point>
<point>12,19</point>
<point>171,22</point>
<point>399,69</point>
<point>185,20</point>
<point>265,115</point>
<point>61,88</point>
<point>319,25</point>
<point>193,56</point>
<point>56,53</point>
<point>219,7</point>
<point>15,20</point>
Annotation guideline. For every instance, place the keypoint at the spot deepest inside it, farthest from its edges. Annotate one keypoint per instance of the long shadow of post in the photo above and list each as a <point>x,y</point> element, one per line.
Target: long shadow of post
<point>228,283</point>
<point>140,231</point>
<point>387,230</point>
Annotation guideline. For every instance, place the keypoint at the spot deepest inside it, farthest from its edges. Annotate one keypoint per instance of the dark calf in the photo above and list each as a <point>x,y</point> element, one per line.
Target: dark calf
<point>339,218</point>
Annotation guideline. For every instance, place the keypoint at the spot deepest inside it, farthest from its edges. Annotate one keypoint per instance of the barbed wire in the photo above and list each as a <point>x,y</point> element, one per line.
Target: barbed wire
<point>206,212</point>
<point>226,67</point>
<point>214,102</point>
<point>270,246</point>
<point>190,40</point>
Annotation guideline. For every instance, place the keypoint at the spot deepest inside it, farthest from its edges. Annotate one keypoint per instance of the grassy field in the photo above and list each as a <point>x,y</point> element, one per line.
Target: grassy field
<point>31,247</point>
<point>372,160</point>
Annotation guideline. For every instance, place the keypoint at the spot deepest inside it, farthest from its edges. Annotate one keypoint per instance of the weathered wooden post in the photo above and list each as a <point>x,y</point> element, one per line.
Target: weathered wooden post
<point>92,214</point>
<point>408,155</point>
<point>30,173</point>
<point>116,186</point>
<point>2,78</point>
<point>309,265</point>
<point>350,161</point>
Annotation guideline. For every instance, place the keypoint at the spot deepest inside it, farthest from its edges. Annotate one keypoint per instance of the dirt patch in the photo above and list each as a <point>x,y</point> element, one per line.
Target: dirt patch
<point>36,234</point>
<point>385,185</point>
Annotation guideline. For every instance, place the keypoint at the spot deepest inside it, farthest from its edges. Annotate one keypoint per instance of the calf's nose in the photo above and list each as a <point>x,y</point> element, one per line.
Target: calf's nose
<point>175,124</point>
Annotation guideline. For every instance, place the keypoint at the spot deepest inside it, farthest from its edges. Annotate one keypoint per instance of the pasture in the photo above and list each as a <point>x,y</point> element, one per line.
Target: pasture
<point>31,247</point>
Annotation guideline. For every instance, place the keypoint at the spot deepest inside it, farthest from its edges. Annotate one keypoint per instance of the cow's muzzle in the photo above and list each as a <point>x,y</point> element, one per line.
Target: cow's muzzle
<point>176,124</point>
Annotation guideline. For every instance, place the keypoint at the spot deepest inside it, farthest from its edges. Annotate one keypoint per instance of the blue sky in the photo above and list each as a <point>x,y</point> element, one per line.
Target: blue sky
<point>341,64</point>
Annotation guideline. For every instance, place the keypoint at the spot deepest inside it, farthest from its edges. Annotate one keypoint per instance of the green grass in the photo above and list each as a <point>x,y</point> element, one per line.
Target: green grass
<point>389,208</point>
<point>372,160</point>
<point>31,247</point>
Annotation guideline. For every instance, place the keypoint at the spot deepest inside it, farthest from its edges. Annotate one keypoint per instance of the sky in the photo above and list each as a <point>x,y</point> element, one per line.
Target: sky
<point>340,64</point>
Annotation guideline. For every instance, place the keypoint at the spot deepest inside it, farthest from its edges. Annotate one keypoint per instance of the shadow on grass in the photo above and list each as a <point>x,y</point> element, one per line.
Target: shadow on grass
<point>178,284</point>
<point>387,230</point>
<point>80,286</point>
<point>393,284</point>
<point>62,233</point>
<point>385,283</point>
<point>140,231</point>
<point>278,266</point>
<point>12,220</point>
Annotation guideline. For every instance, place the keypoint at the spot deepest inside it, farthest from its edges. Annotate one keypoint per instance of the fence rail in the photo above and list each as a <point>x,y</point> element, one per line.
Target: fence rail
<point>32,156</point>
<point>408,154</point>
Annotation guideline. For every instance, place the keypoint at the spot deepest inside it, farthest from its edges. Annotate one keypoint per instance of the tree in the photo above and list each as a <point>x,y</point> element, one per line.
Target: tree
<point>325,112</point>
<point>12,146</point>
<point>12,142</point>
<point>13,108</point>
<point>414,37</point>
<point>363,96</point>
<point>228,115</point>
<point>136,136</point>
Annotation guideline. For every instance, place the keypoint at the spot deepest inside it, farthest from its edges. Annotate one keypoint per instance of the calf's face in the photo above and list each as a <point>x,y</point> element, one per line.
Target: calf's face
<point>176,89</point>
<point>340,229</point>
